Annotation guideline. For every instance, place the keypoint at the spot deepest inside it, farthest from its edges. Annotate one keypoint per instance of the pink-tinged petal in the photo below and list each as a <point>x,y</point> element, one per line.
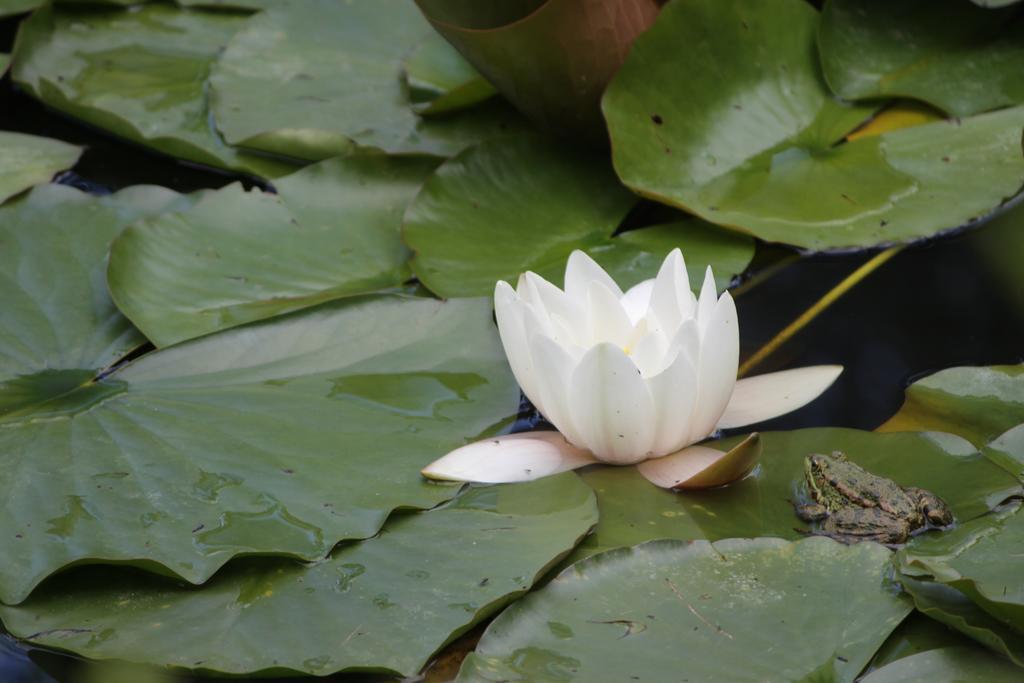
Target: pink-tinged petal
<point>611,406</point>
<point>554,366</point>
<point>508,459</point>
<point>755,399</point>
<point>637,299</point>
<point>580,271</point>
<point>671,299</point>
<point>700,467</point>
<point>608,320</point>
<point>717,366</point>
<point>674,392</point>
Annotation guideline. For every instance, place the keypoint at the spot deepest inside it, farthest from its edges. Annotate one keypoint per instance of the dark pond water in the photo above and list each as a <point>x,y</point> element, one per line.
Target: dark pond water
<point>955,301</point>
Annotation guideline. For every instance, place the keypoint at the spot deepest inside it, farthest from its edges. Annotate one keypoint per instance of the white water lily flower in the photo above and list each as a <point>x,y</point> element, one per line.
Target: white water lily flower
<point>628,378</point>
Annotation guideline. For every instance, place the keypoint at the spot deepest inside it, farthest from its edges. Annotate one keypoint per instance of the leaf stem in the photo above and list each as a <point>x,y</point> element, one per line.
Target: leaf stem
<point>811,313</point>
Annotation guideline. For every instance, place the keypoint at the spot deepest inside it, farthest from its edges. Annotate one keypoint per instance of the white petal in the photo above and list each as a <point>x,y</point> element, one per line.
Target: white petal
<point>508,311</point>
<point>554,367</point>
<point>580,271</point>
<point>672,300</point>
<point>674,392</point>
<point>716,369</point>
<point>611,406</point>
<point>540,292</point>
<point>637,299</point>
<point>755,399</point>
<point>608,320</point>
<point>509,458</point>
<point>649,352</point>
<point>707,302</point>
<point>700,467</point>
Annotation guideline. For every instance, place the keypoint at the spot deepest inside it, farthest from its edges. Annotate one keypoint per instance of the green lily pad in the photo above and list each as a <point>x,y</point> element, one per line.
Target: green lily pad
<point>995,3</point>
<point>336,73</point>
<point>384,604</point>
<point>56,314</point>
<point>743,131</point>
<point>959,57</point>
<point>947,665</point>
<point>983,560</point>
<point>441,80</point>
<point>5,61</point>
<point>952,608</point>
<point>29,160</point>
<point>633,510</point>
<point>331,231</point>
<point>724,611</point>
<point>9,7</point>
<point>551,59</point>
<point>917,633</point>
<point>139,73</point>
<point>1007,451</point>
<point>507,206</point>
<point>977,403</point>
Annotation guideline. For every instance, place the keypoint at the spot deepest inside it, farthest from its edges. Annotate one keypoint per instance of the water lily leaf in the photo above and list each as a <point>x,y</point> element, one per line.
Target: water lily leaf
<point>995,3</point>
<point>281,437</point>
<point>336,73</point>
<point>441,80</point>
<point>947,665</point>
<point>915,634</point>
<point>29,160</point>
<point>1007,451</point>
<point>983,560</point>
<point>703,611</point>
<point>901,114</point>
<point>507,206</point>
<point>952,608</point>
<point>56,314</point>
<point>551,59</point>
<point>957,56</point>
<point>977,403</point>
<point>139,73</point>
<point>742,131</point>
<point>331,231</point>
<point>384,604</point>
<point>5,61</point>
<point>9,7</point>
<point>633,510</point>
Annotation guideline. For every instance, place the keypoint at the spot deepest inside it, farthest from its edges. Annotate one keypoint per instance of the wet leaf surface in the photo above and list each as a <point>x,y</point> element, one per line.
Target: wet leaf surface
<point>957,56</point>
<point>947,665</point>
<point>383,604</point>
<point>332,230</point>
<point>702,611</point>
<point>138,73</point>
<point>743,131</point>
<point>283,437</point>
<point>336,73</point>
<point>441,80</point>
<point>30,160</point>
<point>633,510</point>
<point>977,403</point>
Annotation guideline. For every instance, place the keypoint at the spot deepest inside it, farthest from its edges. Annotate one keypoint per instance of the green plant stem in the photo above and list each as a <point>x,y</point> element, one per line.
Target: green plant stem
<point>823,303</point>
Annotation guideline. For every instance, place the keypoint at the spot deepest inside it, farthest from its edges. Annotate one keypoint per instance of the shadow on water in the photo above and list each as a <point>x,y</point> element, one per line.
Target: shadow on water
<point>958,301</point>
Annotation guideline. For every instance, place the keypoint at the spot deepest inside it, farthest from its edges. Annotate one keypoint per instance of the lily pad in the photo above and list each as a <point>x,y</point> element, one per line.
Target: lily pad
<point>507,206</point>
<point>336,73</point>
<point>742,131</point>
<point>917,633</point>
<point>977,403</point>
<point>952,608</point>
<point>282,437</point>
<point>724,611</point>
<point>29,160</point>
<point>947,665</point>
<point>1007,451</point>
<point>9,7</point>
<point>331,231</point>
<point>441,80</point>
<point>384,604</point>
<point>139,73</point>
<point>56,315</point>
<point>551,59</point>
<point>5,61</point>
<point>957,56</point>
<point>633,510</point>
<point>983,560</point>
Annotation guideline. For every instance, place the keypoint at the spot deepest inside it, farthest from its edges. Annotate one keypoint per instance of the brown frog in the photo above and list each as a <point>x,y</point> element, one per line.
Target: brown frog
<point>854,505</point>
